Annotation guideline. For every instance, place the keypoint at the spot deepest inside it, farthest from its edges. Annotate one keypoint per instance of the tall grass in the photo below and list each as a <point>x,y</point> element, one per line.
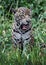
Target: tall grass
<point>8,54</point>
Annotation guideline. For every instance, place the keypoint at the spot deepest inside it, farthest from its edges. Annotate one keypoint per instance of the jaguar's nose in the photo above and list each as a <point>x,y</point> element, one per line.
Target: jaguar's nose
<point>25,23</point>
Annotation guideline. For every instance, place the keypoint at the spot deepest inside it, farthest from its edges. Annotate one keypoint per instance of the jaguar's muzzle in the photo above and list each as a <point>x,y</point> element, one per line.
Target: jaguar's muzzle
<point>24,26</point>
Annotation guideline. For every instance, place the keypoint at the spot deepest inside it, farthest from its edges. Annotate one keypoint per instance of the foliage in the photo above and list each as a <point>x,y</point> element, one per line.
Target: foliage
<point>10,56</point>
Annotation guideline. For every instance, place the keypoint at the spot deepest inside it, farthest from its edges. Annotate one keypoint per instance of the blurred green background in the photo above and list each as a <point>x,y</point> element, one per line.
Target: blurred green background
<point>8,55</point>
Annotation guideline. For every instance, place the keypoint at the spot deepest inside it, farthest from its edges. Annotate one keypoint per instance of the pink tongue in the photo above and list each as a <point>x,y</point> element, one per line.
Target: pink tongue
<point>24,27</point>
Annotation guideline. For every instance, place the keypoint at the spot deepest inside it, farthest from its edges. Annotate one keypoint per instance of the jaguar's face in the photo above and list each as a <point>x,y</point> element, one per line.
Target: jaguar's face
<point>22,17</point>
<point>24,23</point>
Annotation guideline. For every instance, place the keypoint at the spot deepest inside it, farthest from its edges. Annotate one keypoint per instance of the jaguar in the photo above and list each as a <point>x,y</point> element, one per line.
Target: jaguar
<point>22,28</point>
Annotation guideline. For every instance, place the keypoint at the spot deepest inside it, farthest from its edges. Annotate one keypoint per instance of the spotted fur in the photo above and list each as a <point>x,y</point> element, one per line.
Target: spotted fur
<point>21,36</point>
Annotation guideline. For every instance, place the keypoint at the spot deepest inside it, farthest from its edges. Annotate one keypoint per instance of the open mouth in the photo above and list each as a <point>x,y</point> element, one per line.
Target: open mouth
<point>24,26</point>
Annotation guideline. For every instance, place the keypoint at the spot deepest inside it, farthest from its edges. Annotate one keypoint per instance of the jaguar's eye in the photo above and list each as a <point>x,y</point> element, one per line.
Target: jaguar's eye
<point>18,23</point>
<point>14,30</point>
<point>28,21</point>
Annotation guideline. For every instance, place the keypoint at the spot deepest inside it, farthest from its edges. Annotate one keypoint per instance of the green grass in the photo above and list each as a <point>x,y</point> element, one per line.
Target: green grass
<point>8,54</point>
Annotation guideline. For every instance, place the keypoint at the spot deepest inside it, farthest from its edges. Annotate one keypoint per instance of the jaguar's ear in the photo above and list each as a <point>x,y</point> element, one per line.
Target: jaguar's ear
<point>13,10</point>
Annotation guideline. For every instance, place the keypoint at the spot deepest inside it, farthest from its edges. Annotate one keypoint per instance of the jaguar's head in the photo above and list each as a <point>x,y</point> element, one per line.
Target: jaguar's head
<point>23,17</point>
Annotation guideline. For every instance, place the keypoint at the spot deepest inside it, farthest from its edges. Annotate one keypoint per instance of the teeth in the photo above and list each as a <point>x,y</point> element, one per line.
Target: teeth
<point>24,27</point>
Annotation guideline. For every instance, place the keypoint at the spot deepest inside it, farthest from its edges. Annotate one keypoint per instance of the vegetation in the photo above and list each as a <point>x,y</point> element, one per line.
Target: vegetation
<point>10,56</point>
